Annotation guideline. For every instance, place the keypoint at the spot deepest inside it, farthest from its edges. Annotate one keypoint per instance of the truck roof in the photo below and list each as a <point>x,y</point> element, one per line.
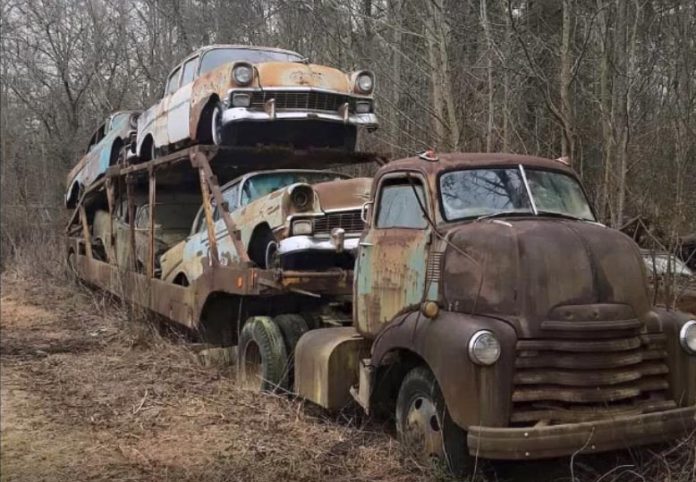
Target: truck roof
<point>447,161</point>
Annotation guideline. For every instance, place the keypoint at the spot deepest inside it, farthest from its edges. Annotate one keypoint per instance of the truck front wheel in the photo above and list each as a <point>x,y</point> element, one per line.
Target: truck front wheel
<point>424,426</point>
<point>262,356</point>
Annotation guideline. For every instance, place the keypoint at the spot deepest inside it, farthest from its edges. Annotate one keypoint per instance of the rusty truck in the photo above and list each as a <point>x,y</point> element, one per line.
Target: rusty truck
<point>488,311</point>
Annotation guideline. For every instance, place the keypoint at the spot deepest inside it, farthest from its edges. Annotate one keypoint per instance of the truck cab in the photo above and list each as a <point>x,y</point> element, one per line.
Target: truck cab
<point>494,317</point>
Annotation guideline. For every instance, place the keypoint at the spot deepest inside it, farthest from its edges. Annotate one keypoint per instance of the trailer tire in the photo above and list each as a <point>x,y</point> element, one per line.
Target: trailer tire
<point>292,327</point>
<point>424,426</point>
<point>262,356</point>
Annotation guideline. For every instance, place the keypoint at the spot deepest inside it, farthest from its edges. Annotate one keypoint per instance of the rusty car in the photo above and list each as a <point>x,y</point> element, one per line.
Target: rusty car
<point>172,218</point>
<point>104,148</point>
<point>287,218</point>
<point>246,95</point>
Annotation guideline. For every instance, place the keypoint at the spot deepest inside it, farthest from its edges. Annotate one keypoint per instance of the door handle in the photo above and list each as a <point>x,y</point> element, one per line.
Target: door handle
<point>365,244</point>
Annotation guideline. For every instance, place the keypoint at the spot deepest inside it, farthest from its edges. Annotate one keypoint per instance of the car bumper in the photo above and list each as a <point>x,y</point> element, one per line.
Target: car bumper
<point>585,437</point>
<point>242,114</point>
<point>302,244</point>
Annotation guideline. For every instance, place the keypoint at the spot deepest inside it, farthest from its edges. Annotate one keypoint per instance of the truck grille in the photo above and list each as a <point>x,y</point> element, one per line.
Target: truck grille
<point>350,221</point>
<point>574,380</point>
<point>294,100</point>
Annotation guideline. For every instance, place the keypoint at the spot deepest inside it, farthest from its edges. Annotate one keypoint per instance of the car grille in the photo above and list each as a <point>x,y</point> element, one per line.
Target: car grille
<point>299,100</point>
<point>575,380</point>
<point>350,221</point>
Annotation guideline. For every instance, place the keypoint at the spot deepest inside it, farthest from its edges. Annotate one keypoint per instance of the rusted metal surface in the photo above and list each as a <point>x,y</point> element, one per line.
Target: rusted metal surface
<point>210,224</point>
<point>85,232</point>
<point>152,196</point>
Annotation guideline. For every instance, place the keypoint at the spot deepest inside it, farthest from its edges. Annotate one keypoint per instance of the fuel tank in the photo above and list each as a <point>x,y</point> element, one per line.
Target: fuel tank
<point>537,273</point>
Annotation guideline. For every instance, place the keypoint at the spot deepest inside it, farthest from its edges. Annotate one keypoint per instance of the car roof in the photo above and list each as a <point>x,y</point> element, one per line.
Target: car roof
<point>280,171</point>
<point>207,48</point>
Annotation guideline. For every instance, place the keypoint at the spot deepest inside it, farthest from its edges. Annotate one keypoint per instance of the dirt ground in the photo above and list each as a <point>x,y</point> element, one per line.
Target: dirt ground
<point>91,392</point>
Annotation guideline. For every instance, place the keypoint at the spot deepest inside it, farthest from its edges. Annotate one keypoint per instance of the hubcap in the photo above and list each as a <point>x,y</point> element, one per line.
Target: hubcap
<point>252,372</point>
<point>272,259</point>
<point>216,127</point>
<point>424,429</point>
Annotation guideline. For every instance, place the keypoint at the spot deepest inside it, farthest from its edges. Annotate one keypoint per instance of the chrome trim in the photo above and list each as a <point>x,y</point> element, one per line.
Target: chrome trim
<point>240,114</point>
<point>294,88</point>
<point>300,243</point>
<point>472,343</point>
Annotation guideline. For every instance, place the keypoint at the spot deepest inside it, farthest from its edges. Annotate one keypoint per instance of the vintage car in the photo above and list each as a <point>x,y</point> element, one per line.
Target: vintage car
<point>117,131</point>
<point>244,95</point>
<point>664,268</point>
<point>294,219</point>
<point>173,215</point>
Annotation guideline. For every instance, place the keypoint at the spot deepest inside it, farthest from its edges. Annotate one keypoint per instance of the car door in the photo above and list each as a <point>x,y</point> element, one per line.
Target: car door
<point>179,109</point>
<point>393,252</point>
<point>227,252</point>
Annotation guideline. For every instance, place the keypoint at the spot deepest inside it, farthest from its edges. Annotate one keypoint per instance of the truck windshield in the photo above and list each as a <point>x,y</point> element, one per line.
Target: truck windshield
<point>262,184</point>
<point>474,193</point>
<point>216,57</point>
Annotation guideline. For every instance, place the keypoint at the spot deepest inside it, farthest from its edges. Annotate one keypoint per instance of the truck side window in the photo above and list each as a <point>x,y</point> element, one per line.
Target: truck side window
<point>398,205</point>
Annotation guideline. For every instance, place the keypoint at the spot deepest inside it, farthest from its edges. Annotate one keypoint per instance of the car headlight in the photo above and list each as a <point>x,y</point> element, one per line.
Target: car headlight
<point>484,348</point>
<point>364,83</point>
<point>302,227</point>
<point>363,107</point>
<point>240,99</point>
<point>243,74</point>
<point>687,337</point>
<point>302,197</point>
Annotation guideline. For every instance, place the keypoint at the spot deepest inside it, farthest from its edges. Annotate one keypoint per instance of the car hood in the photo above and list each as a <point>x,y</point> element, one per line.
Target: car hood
<point>532,271</point>
<point>343,193</point>
<point>294,74</point>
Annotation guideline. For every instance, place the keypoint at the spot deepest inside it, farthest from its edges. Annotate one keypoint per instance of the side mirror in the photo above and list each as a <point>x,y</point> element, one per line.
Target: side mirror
<point>365,210</point>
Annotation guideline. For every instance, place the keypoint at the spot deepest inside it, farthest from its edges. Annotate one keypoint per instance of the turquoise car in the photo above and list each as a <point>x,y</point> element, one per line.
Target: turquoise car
<point>117,131</point>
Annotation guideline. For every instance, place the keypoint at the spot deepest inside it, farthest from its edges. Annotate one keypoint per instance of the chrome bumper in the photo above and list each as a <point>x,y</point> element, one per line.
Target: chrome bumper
<point>299,244</point>
<point>242,114</point>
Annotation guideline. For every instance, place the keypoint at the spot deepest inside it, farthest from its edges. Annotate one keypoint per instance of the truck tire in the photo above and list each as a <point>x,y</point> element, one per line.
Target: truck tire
<point>262,356</point>
<point>424,426</point>
<point>292,327</point>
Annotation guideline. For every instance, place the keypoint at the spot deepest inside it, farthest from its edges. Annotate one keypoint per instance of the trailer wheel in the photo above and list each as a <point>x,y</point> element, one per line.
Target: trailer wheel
<point>292,327</point>
<point>424,426</point>
<point>262,356</point>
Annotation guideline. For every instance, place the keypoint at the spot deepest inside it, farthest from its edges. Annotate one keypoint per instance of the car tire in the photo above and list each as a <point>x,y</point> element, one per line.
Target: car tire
<point>263,363</point>
<point>424,426</point>
<point>115,152</point>
<point>217,130</point>
<point>259,246</point>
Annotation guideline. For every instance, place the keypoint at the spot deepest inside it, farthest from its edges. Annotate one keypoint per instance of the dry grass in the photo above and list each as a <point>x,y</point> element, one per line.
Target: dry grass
<point>92,389</point>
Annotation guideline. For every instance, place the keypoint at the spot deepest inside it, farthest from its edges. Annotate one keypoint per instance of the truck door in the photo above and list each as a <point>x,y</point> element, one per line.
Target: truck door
<point>179,108</point>
<point>392,260</point>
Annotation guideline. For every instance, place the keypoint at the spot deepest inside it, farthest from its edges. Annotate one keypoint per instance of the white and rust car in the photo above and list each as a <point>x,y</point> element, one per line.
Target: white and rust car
<point>294,219</point>
<point>245,95</point>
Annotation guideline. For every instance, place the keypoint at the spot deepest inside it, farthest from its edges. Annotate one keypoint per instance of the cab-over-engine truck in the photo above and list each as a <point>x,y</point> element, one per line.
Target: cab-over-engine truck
<point>497,319</point>
<point>491,314</point>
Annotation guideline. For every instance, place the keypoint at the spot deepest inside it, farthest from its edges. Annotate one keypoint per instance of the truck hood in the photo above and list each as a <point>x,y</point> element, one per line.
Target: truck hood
<point>343,193</point>
<point>538,272</point>
<point>294,74</point>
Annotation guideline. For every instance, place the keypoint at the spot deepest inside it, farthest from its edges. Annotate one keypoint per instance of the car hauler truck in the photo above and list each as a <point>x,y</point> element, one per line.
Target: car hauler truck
<point>492,315</point>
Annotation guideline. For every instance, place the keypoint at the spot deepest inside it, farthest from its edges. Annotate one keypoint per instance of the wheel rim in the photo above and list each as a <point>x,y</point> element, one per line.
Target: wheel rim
<point>423,434</point>
<point>272,259</point>
<point>252,367</point>
<point>153,152</point>
<point>216,127</point>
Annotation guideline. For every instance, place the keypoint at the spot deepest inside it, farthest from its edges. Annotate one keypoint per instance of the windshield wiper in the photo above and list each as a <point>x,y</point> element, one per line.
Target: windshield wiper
<point>504,213</point>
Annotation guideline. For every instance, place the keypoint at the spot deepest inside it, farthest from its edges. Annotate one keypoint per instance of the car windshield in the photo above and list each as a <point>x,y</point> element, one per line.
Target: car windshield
<point>216,57</point>
<point>662,264</point>
<point>263,184</point>
<point>474,193</point>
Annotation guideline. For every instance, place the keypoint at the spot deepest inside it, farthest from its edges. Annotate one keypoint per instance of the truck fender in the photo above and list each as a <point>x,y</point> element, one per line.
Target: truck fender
<point>682,369</point>
<point>474,394</point>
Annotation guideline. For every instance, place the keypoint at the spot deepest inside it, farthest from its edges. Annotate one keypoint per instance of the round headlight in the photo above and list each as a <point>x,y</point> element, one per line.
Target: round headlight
<point>302,197</point>
<point>484,348</point>
<point>364,83</point>
<point>243,74</point>
<point>687,337</point>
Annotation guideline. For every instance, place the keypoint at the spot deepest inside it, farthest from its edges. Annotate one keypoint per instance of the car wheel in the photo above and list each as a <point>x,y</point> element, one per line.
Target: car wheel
<point>424,426</point>
<point>260,247</point>
<point>262,356</point>
<point>272,257</point>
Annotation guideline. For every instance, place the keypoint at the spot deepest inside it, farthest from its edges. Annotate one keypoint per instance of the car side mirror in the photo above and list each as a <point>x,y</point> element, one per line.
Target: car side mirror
<point>364,212</point>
